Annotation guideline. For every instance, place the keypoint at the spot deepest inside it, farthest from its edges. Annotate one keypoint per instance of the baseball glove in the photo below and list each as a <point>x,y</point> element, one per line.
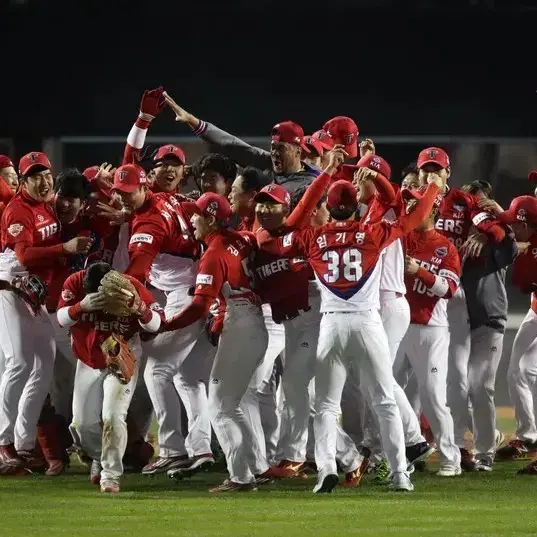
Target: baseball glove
<point>122,299</point>
<point>32,290</point>
<point>119,358</point>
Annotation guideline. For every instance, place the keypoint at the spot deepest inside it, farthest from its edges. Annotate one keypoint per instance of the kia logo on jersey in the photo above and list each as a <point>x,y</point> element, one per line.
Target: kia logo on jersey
<point>441,252</point>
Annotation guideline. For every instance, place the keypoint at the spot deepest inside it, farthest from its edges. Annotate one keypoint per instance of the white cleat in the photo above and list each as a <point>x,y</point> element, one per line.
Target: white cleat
<point>326,482</point>
<point>401,481</point>
<point>449,470</point>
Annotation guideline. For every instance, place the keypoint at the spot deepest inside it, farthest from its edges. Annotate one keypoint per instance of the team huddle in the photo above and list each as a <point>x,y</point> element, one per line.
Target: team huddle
<point>297,313</point>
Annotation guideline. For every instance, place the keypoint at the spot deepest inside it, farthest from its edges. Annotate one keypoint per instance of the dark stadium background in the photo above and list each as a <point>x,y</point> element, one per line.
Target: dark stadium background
<point>461,72</point>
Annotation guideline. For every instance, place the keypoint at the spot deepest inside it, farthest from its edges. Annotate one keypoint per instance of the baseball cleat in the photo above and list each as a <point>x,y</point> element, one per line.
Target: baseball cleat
<point>13,471</point>
<point>285,469</point>
<point>9,457</point>
<point>382,473</point>
<point>352,479</point>
<point>263,479</point>
<point>95,472</point>
<point>400,481</point>
<point>55,468</point>
<point>231,486</point>
<point>325,483</point>
<point>529,469</point>
<point>516,450</point>
<point>467,460</point>
<point>418,452</point>
<point>199,463</point>
<point>449,470</point>
<point>483,465</point>
<point>30,461</point>
<point>162,464</point>
<point>110,486</point>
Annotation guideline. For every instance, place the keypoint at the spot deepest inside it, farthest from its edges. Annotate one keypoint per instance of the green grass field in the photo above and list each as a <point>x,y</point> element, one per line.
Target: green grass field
<point>500,503</point>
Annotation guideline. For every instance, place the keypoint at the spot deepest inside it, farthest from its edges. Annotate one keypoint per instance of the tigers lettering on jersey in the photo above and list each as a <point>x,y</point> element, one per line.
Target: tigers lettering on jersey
<point>279,265</point>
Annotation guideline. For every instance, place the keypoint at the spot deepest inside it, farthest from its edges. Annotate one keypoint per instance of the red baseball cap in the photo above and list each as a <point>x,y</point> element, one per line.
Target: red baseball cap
<point>417,194</point>
<point>433,155</point>
<point>275,193</point>
<point>373,162</point>
<point>289,132</point>
<point>170,151</point>
<point>323,139</point>
<point>129,177</point>
<point>343,130</point>
<point>31,160</point>
<point>342,195</point>
<point>5,162</point>
<point>90,173</point>
<point>210,204</point>
<point>522,209</point>
<point>314,144</point>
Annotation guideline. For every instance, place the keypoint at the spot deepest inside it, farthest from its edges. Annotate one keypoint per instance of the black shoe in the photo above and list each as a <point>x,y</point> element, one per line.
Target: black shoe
<point>418,452</point>
<point>483,465</point>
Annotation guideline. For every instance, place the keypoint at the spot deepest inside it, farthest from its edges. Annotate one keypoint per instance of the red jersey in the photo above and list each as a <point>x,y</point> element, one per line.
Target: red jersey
<point>436,279</point>
<point>30,228</point>
<point>525,271</point>
<point>344,257</point>
<point>162,248</point>
<point>225,274</point>
<point>379,207</point>
<point>93,328</point>
<point>283,282</point>
<point>459,212</point>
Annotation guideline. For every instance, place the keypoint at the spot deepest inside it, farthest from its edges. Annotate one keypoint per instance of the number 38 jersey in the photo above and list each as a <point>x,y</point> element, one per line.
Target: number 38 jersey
<point>345,258</point>
<point>437,278</point>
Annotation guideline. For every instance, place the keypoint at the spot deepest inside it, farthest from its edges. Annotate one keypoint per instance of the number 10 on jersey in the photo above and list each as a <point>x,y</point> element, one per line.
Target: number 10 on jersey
<point>346,265</point>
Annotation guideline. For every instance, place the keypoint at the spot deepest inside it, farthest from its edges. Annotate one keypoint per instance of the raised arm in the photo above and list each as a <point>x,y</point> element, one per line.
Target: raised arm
<point>229,145</point>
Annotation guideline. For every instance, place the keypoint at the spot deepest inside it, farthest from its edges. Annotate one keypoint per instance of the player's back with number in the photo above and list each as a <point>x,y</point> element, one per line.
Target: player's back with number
<point>344,256</point>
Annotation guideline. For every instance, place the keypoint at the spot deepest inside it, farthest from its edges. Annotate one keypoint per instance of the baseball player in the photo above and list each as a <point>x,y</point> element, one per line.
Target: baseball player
<point>30,244</point>
<point>344,255</point>
<point>225,276</point>
<point>483,280</point>
<point>9,180</point>
<point>432,271</point>
<point>522,215</point>
<point>163,251</point>
<point>383,200</point>
<point>284,157</point>
<point>458,213</point>
<point>296,305</point>
<point>98,394</point>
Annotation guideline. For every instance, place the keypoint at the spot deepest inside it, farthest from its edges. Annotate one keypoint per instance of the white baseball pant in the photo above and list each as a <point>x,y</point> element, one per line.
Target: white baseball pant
<point>301,337</point>
<point>100,406</point>
<point>29,348</point>
<point>348,340</point>
<point>522,378</point>
<point>427,349</point>
<point>459,356</point>
<point>192,387</point>
<point>165,355</point>
<point>395,315</point>
<point>485,356</point>
<point>261,398</point>
<point>242,346</point>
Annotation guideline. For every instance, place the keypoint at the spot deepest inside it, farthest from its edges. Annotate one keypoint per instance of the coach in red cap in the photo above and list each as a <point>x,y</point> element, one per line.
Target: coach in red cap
<point>284,157</point>
<point>169,168</point>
